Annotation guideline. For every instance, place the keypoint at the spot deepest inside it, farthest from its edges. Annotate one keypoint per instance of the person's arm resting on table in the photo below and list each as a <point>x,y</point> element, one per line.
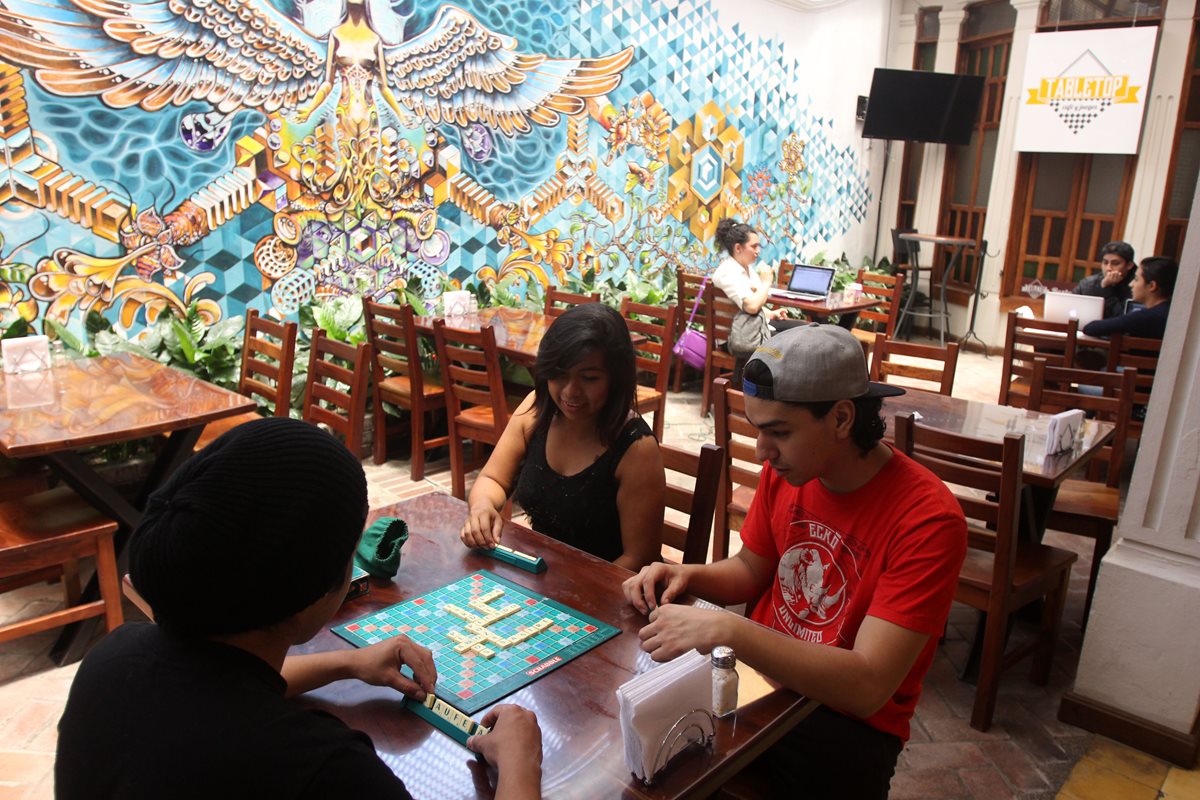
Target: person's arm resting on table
<point>377,665</point>
<point>495,483</point>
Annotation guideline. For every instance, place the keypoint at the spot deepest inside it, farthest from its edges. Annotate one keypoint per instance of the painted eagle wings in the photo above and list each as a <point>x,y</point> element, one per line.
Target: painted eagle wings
<point>246,54</point>
<point>151,53</point>
<point>458,71</point>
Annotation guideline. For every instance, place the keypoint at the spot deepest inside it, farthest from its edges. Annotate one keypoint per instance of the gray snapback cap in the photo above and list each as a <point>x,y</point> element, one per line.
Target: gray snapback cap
<point>815,363</point>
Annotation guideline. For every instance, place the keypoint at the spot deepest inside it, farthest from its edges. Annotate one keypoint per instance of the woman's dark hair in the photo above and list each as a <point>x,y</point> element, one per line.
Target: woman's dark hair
<point>1161,271</point>
<point>731,233</point>
<point>582,330</point>
<point>868,428</point>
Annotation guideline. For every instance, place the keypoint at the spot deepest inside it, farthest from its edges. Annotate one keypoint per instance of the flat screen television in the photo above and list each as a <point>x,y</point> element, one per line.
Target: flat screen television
<point>922,106</point>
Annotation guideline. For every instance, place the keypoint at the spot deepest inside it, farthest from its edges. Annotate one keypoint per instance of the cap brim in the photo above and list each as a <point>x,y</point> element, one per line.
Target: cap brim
<point>883,390</point>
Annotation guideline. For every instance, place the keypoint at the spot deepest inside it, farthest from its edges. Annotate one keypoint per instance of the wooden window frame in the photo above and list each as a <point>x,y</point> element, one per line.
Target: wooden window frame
<point>1165,222</point>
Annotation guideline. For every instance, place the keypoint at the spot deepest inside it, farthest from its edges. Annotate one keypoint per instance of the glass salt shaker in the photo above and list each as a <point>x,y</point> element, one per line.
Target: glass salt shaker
<point>724,681</point>
<point>58,353</point>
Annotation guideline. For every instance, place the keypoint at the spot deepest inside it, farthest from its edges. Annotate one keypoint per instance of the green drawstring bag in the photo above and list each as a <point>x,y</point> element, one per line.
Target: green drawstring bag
<point>378,550</point>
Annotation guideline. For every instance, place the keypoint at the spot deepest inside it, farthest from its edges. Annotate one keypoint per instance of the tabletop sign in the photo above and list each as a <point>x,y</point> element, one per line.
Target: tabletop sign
<point>26,354</point>
<point>489,636</point>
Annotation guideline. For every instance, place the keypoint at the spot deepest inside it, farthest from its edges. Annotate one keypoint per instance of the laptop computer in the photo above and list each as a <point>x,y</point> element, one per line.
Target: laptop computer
<point>1064,307</point>
<point>807,283</point>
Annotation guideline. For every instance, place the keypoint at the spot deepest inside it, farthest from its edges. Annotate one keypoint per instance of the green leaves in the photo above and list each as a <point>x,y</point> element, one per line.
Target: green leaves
<point>69,340</point>
<point>17,329</point>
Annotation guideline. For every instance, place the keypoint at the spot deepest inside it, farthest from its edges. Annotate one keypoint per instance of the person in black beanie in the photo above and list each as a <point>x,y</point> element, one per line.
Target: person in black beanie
<point>244,552</point>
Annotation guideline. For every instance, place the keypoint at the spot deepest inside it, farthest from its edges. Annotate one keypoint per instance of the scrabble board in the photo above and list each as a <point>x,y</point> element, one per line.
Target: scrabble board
<point>489,636</point>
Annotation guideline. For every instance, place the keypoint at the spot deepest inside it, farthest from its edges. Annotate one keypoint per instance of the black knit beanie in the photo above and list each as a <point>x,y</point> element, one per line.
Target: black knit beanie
<point>252,529</point>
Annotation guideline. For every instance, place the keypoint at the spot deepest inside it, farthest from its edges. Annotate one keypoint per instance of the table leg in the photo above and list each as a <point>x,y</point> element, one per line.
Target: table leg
<point>77,474</point>
<point>847,320</point>
<point>914,270</point>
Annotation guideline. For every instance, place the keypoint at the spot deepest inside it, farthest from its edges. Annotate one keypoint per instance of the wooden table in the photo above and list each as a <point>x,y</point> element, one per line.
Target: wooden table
<point>81,403</point>
<point>519,331</point>
<point>576,704</point>
<point>823,309</point>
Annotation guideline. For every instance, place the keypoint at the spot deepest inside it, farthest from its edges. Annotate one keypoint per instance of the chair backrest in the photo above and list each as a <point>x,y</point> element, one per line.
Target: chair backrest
<point>394,343</point>
<point>887,289</point>
<point>698,502</point>
<point>942,375</point>
<point>470,367</point>
<point>557,301</point>
<point>903,249</point>
<point>1026,339</point>
<point>1055,389</point>
<point>719,312</point>
<point>786,268</point>
<point>1135,352</point>
<point>331,366</point>
<point>268,355</point>
<point>985,478</point>
<point>737,437</point>
<point>653,348</point>
<point>687,286</point>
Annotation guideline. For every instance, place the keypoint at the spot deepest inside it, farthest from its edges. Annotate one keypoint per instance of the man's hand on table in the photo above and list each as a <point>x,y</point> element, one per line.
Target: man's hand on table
<point>674,630</point>
<point>514,748</point>
<point>379,665</point>
<point>641,589</point>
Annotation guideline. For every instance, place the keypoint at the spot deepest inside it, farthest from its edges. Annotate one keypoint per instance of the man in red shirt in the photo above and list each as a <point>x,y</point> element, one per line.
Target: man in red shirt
<point>850,559</point>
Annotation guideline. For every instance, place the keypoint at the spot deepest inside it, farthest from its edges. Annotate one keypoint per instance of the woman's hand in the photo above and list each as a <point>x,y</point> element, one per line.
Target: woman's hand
<point>483,527</point>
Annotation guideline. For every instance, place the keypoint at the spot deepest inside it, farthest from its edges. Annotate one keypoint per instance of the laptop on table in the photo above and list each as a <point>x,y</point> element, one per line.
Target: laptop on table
<point>807,283</point>
<point>1064,307</point>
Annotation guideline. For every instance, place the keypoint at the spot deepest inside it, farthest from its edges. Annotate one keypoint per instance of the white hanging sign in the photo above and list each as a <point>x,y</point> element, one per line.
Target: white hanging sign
<point>1085,91</point>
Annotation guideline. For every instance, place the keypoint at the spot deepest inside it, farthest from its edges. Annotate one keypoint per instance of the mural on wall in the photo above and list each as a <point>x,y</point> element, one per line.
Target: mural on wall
<point>263,153</point>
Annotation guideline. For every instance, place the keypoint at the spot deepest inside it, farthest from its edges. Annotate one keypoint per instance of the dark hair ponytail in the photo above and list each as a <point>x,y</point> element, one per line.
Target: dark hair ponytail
<point>731,233</point>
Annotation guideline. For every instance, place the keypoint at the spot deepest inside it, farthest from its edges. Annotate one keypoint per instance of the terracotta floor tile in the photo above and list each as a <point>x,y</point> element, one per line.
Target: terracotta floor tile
<point>926,784</point>
<point>1091,781</point>
<point>986,783</point>
<point>1016,765</point>
<point>1126,761</point>
<point>29,720</point>
<point>943,755</point>
<point>26,768</point>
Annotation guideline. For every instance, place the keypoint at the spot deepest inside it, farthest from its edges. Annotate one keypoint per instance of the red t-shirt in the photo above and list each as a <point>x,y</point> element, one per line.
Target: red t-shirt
<point>891,549</point>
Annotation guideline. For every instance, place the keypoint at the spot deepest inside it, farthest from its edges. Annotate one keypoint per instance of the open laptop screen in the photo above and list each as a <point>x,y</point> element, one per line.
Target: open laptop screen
<point>811,280</point>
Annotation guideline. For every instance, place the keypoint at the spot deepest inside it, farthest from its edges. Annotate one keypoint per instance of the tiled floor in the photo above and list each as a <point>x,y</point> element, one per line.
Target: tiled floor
<point>1026,754</point>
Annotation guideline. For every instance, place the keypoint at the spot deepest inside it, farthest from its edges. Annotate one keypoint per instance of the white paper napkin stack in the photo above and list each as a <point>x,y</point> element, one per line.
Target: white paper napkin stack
<point>654,701</point>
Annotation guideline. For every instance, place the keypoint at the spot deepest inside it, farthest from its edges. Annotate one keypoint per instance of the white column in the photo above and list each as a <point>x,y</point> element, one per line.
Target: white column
<point>933,165</point>
<point>1158,128</point>
<point>1140,665</point>
<point>900,57</point>
<point>989,322</point>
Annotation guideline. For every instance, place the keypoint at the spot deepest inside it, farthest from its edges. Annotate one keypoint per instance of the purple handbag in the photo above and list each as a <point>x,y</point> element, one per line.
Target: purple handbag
<point>692,346</point>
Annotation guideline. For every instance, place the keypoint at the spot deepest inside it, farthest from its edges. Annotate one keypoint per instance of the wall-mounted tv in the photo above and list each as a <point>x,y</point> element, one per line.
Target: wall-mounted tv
<point>922,106</point>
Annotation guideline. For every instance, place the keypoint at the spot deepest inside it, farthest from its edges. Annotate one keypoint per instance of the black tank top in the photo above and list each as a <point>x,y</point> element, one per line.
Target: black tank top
<point>580,509</point>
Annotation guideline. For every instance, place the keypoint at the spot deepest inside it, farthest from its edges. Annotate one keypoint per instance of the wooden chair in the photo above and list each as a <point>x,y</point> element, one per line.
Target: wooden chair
<point>742,467</point>
<point>1088,507</point>
<point>942,376</point>
<point>689,287</point>
<point>268,355</point>
<point>698,503</point>
<point>1000,574</point>
<point>42,537</point>
<point>719,312</point>
<point>476,406</point>
<point>1026,339</point>
<point>558,301</point>
<point>887,290</point>
<point>342,410</point>
<point>784,276</point>
<point>653,351</point>
<point>399,379</point>
<point>1135,352</point>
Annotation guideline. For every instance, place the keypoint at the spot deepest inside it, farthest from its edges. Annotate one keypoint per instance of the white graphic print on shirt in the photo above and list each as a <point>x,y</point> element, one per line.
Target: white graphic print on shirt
<point>817,576</point>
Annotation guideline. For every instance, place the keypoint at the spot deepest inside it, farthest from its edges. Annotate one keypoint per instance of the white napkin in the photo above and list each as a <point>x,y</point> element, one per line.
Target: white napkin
<point>654,701</point>
<point>1061,433</point>
<point>456,303</point>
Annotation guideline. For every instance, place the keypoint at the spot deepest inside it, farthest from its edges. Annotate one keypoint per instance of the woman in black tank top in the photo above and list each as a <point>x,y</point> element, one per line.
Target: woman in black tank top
<point>575,455</point>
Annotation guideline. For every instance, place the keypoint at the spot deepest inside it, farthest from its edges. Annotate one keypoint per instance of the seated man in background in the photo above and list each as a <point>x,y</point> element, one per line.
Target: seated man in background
<point>1113,280</point>
<point>244,552</point>
<point>1152,287</point>
<point>850,557</point>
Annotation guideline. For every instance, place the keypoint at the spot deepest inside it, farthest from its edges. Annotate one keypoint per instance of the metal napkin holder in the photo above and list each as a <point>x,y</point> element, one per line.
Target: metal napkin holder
<point>699,722</point>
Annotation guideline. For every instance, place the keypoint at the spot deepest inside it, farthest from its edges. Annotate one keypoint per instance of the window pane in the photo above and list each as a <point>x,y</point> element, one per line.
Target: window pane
<point>1090,11</point>
<point>990,138</point>
<point>964,170</point>
<point>1055,175</point>
<point>1187,166</point>
<point>1036,226</point>
<point>926,57</point>
<point>1104,184</point>
<point>915,151</point>
<point>1058,228</point>
<point>985,19</point>
<point>928,26</point>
